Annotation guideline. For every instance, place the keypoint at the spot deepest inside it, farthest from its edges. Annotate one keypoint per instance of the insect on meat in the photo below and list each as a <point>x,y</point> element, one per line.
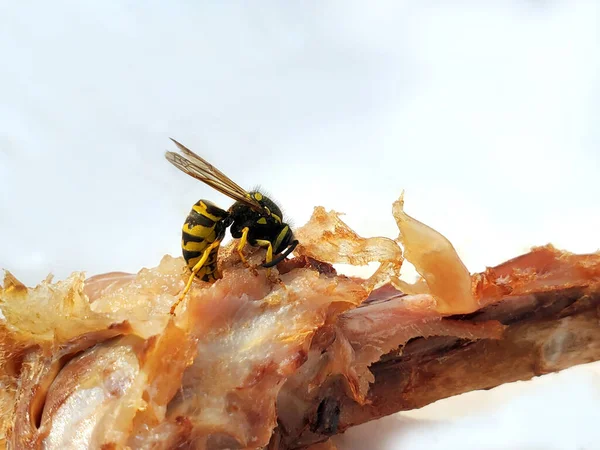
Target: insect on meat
<point>253,218</point>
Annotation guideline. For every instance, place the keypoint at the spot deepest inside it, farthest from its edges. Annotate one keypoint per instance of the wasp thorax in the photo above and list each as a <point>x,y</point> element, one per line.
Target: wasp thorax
<point>271,209</point>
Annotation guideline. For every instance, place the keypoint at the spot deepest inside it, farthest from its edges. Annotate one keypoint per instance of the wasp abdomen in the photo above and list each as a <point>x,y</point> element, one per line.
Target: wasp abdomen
<point>205,225</point>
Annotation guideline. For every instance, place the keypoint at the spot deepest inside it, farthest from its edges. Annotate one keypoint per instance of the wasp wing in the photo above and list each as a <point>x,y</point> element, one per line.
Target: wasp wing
<point>209,167</point>
<point>198,168</point>
<point>212,172</point>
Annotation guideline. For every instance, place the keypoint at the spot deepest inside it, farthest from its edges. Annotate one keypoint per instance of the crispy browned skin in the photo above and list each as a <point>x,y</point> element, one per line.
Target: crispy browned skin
<point>547,329</point>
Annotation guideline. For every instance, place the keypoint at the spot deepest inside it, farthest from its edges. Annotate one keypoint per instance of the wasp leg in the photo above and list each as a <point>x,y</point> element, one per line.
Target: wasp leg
<point>241,245</point>
<point>195,270</point>
<point>282,256</point>
<point>269,258</point>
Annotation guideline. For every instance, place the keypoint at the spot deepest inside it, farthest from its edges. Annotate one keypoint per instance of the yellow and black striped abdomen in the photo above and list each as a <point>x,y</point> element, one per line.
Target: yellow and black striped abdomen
<point>205,225</point>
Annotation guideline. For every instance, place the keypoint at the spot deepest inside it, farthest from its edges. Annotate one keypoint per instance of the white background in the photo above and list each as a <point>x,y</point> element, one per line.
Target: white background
<point>486,113</point>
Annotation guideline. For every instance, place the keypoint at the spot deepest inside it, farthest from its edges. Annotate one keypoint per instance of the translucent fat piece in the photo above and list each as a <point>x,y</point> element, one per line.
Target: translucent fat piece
<point>435,259</point>
<point>49,314</point>
<point>327,238</point>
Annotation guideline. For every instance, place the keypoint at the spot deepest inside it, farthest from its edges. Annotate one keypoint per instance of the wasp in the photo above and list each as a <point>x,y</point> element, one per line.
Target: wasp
<point>254,219</point>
